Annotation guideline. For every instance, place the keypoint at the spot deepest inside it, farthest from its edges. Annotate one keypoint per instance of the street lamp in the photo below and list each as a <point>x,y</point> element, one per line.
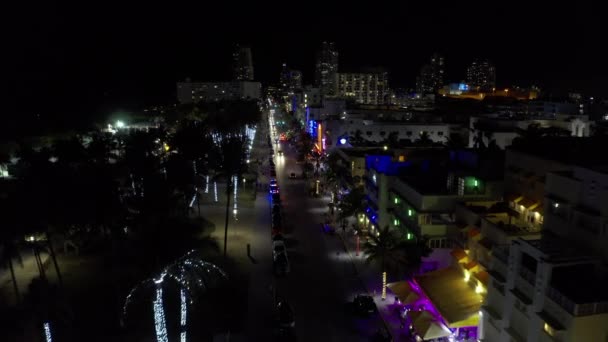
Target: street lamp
<point>120,124</point>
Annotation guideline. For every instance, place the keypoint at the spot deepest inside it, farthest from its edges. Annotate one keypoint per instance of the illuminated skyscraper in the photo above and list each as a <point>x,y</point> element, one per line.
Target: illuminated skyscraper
<point>481,75</point>
<point>326,67</point>
<point>431,76</point>
<point>242,63</point>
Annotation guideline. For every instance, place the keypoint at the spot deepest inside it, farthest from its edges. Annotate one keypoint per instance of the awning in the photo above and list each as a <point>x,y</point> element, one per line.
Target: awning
<point>455,300</point>
<point>513,197</point>
<point>474,232</point>
<point>527,203</point>
<point>401,289</point>
<point>486,243</point>
<point>483,277</point>
<point>470,265</point>
<point>428,328</point>
<point>458,254</point>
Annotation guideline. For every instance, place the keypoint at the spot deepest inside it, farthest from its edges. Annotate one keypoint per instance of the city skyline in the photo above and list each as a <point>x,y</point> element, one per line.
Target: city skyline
<point>139,60</point>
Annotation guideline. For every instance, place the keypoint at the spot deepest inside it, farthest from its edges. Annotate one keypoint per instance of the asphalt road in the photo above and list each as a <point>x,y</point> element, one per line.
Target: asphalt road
<point>323,278</point>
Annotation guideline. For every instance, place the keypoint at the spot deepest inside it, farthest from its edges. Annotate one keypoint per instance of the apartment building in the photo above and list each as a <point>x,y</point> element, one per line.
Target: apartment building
<point>552,287</point>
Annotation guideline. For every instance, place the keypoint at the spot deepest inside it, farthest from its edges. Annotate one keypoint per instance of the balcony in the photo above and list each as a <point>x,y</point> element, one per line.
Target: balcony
<point>527,275</point>
<point>501,253</point>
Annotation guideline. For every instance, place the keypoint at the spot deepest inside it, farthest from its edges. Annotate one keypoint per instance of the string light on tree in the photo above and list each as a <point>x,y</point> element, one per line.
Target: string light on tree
<point>47,332</point>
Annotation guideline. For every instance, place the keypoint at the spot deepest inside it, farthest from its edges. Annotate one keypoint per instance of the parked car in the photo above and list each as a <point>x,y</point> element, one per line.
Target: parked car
<point>281,264</point>
<point>278,248</point>
<point>364,305</point>
<point>274,189</point>
<point>276,198</point>
<point>285,317</point>
<point>292,175</point>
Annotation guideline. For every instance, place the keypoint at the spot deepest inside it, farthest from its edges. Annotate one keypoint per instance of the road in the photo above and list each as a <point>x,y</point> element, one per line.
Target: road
<point>323,278</point>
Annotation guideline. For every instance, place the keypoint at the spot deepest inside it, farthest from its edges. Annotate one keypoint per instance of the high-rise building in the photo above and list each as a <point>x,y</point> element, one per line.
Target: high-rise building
<point>242,63</point>
<point>284,77</point>
<point>193,92</point>
<point>364,88</point>
<point>326,67</point>
<point>481,75</point>
<point>431,76</point>
<point>295,79</point>
<point>290,79</point>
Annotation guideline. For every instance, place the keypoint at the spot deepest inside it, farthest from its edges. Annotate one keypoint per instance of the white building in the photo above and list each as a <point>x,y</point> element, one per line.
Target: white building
<point>553,288</point>
<point>379,131</point>
<point>364,88</point>
<point>192,92</point>
<point>503,129</point>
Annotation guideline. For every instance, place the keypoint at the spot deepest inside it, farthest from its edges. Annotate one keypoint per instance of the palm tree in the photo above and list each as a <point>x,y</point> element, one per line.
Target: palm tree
<point>455,141</point>
<point>353,203</point>
<point>424,139</point>
<point>232,163</point>
<point>384,248</point>
<point>392,139</point>
<point>10,251</point>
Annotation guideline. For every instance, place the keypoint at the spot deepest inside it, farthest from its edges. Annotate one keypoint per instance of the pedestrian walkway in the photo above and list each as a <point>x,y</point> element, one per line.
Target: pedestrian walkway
<point>371,277</point>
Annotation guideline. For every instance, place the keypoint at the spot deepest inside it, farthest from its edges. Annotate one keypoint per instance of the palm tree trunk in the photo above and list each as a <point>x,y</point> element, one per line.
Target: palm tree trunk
<point>14,279</point>
<point>39,263</point>
<point>228,183</point>
<point>198,203</point>
<point>52,252</point>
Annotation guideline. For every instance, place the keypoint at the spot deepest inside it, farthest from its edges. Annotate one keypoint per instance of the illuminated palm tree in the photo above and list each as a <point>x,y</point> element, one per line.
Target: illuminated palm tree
<point>192,275</point>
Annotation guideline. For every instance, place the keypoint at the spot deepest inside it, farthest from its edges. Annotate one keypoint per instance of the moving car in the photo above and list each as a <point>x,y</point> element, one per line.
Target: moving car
<point>292,175</point>
<point>280,153</point>
<point>364,305</point>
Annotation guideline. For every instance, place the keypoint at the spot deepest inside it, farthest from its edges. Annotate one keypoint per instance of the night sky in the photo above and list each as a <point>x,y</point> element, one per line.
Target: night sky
<point>73,60</point>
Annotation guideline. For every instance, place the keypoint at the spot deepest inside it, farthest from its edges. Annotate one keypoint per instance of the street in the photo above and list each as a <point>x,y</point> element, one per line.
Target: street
<point>323,278</point>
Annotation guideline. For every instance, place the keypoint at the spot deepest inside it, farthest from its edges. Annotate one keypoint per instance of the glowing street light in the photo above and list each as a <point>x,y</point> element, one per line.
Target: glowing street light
<point>120,124</point>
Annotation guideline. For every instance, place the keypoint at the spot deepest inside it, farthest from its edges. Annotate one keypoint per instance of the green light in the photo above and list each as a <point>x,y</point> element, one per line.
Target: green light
<point>409,236</point>
<point>475,183</point>
<point>396,222</point>
<point>409,212</point>
<point>396,200</point>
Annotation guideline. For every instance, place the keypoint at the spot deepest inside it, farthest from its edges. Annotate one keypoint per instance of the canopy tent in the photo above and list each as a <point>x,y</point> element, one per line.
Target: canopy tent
<point>427,327</point>
<point>403,291</point>
<point>455,300</point>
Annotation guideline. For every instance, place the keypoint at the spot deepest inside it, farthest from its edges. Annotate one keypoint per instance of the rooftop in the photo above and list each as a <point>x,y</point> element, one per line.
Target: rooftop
<point>580,283</point>
<point>569,150</point>
<point>556,249</point>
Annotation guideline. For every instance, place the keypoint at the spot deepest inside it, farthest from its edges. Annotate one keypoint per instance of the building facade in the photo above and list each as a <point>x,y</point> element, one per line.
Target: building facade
<point>363,88</point>
<point>481,76</point>
<point>431,77</point>
<point>326,67</point>
<point>242,64</point>
<point>193,92</point>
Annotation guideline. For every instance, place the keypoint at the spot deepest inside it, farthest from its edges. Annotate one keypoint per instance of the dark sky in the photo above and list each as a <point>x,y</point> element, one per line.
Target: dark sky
<point>77,58</point>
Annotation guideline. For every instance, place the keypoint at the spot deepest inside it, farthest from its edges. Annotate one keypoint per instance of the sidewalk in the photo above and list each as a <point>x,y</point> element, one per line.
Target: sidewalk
<point>371,277</point>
